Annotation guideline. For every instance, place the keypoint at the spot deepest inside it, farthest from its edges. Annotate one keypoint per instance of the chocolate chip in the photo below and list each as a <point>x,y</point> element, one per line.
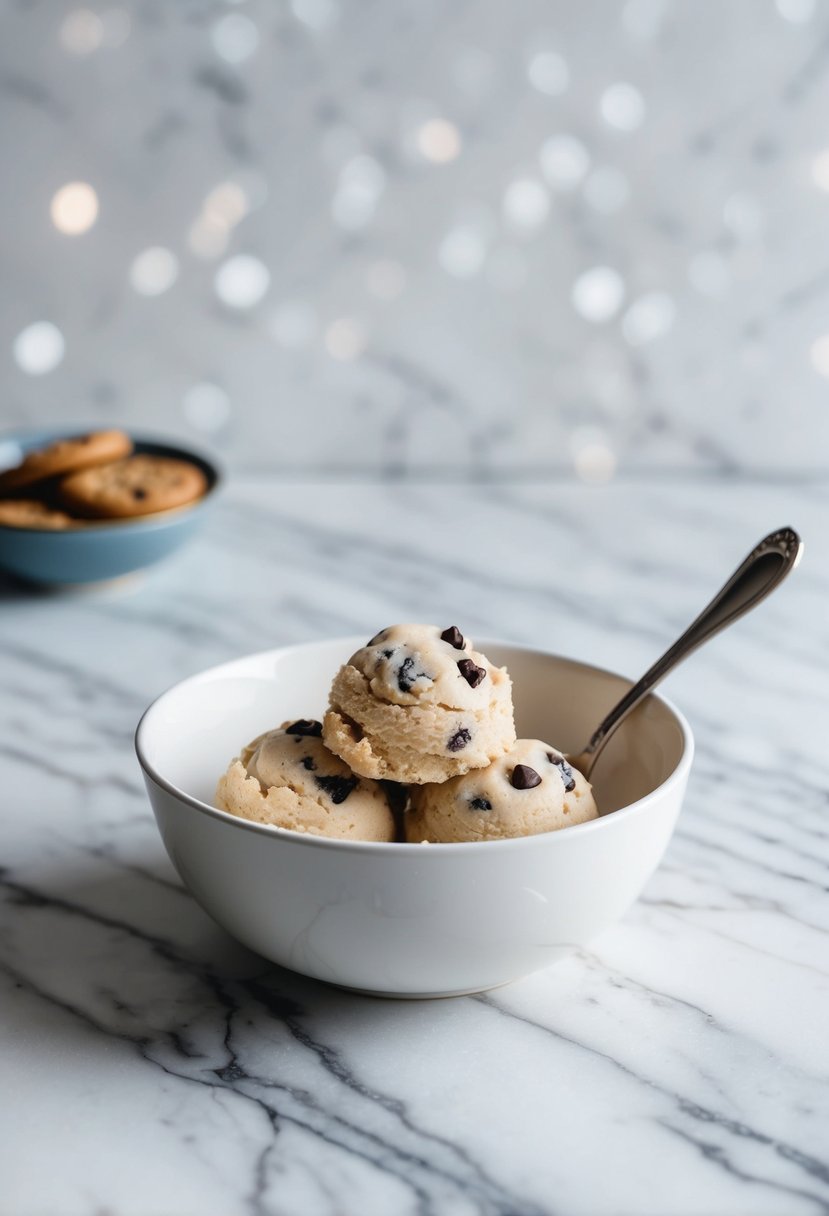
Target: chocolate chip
<point>407,676</point>
<point>139,493</point>
<point>471,672</point>
<point>459,740</point>
<point>565,770</point>
<point>337,788</point>
<point>481,804</point>
<point>305,726</point>
<point>387,653</point>
<point>308,762</point>
<point>524,777</point>
<point>453,636</point>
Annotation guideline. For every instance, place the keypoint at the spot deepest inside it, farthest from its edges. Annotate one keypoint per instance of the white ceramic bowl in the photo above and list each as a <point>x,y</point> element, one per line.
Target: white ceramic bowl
<point>411,920</point>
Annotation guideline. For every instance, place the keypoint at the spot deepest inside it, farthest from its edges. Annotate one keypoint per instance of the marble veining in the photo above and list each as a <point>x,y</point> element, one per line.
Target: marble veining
<point>676,1068</point>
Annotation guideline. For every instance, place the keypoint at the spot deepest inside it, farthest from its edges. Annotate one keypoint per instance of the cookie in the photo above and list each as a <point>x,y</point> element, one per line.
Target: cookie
<point>28,513</point>
<point>139,485</point>
<point>67,456</point>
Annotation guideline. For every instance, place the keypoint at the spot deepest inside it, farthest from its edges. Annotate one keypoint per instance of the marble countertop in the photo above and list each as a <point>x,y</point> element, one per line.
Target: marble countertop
<point>152,1066</point>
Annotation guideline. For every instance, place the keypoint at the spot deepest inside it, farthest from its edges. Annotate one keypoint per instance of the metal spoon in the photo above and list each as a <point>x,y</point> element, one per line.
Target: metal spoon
<point>763,570</point>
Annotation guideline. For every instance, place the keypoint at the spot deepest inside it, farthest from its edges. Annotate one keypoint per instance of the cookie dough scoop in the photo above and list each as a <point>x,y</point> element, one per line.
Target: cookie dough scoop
<point>530,789</point>
<point>288,778</point>
<point>418,704</point>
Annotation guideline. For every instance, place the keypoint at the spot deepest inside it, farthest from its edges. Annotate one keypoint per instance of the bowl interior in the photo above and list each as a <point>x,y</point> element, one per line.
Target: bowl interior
<point>190,734</point>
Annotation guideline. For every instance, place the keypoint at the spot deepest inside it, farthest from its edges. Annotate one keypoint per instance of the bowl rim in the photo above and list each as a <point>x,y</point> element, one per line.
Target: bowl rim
<point>676,777</point>
<point>87,526</point>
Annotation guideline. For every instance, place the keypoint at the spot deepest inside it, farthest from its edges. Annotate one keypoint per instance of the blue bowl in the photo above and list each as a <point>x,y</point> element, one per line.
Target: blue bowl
<point>99,550</point>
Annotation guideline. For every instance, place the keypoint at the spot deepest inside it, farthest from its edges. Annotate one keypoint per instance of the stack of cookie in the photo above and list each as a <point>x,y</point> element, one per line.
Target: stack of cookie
<point>419,719</point>
<point>94,477</point>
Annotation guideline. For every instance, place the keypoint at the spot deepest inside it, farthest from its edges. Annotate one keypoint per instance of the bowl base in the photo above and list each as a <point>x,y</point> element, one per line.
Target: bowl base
<point>119,582</point>
<point>422,996</point>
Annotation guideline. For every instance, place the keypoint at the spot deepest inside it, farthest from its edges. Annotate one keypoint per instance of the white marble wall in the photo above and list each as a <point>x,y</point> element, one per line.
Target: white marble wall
<point>410,302</point>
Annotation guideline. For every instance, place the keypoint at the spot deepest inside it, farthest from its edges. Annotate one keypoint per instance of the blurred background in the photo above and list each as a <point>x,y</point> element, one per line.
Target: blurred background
<point>400,239</point>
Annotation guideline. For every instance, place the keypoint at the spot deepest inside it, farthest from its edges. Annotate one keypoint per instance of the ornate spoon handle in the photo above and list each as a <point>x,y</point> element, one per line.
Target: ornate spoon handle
<point>761,572</point>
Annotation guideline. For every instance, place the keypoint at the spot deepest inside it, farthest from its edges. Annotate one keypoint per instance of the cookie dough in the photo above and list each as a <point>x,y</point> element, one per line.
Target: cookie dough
<point>528,790</point>
<point>67,456</point>
<point>289,778</point>
<point>417,704</point>
<point>139,485</point>
<point>29,513</point>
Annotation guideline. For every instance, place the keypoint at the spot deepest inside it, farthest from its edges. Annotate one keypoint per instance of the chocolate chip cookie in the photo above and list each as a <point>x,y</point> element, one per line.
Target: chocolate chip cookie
<point>139,485</point>
<point>28,513</point>
<point>67,456</point>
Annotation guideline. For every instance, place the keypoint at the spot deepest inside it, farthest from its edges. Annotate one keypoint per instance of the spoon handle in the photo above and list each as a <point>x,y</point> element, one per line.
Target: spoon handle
<point>763,570</point>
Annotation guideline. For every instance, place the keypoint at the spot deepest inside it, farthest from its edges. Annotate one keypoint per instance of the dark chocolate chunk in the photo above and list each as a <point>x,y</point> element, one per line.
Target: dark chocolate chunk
<point>524,777</point>
<point>387,653</point>
<point>480,804</point>
<point>308,762</point>
<point>459,740</point>
<point>139,493</point>
<point>565,770</point>
<point>305,726</point>
<point>337,788</point>
<point>407,676</point>
<point>453,636</point>
<point>471,672</point>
